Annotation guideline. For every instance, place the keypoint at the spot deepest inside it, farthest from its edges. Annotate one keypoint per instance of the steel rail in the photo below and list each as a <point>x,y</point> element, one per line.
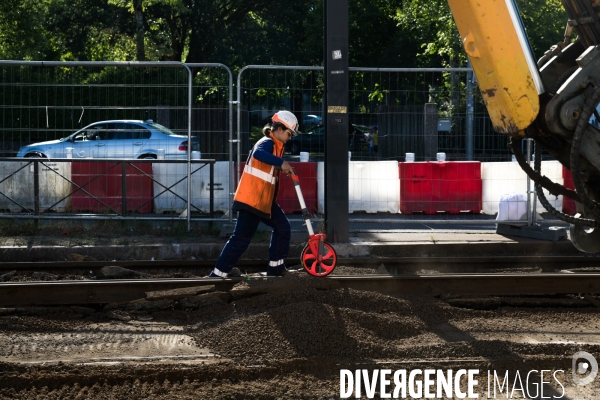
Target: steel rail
<point>562,262</point>
<point>108,291</point>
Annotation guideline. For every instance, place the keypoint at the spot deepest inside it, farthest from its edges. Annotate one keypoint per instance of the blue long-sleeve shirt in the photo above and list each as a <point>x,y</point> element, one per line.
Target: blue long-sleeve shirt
<point>264,153</point>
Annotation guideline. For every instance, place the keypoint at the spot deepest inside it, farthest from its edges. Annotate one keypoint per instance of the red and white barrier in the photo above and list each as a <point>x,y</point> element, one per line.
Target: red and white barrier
<point>501,178</point>
<point>373,186</point>
<point>432,187</point>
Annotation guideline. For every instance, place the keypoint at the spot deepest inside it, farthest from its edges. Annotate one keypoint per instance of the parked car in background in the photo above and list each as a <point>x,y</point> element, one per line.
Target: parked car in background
<point>115,139</point>
<point>314,140</point>
<point>310,121</point>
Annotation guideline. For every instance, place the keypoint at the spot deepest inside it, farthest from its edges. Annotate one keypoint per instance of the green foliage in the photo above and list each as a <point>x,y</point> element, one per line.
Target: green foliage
<point>430,27</point>
<point>383,33</point>
<point>377,94</point>
<point>23,35</point>
<point>544,22</point>
<point>431,24</point>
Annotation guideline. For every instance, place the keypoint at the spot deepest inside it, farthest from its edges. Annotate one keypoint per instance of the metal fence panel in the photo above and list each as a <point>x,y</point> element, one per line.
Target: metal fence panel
<point>44,101</point>
<point>419,111</point>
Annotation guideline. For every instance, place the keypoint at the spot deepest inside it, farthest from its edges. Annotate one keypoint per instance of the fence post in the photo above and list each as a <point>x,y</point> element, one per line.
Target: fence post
<point>123,188</point>
<point>430,137</point>
<point>470,115</point>
<point>36,186</point>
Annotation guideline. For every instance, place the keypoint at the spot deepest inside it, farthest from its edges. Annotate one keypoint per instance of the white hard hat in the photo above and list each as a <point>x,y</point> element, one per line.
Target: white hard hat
<point>288,119</point>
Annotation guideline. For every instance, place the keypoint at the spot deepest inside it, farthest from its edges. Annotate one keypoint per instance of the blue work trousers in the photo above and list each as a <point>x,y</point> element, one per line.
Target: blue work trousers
<point>245,228</point>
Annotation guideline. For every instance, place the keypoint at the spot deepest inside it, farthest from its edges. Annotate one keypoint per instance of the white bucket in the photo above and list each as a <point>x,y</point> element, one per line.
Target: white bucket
<point>303,156</point>
<point>161,154</point>
<point>441,156</point>
<point>196,155</point>
<point>69,152</point>
<point>410,157</point>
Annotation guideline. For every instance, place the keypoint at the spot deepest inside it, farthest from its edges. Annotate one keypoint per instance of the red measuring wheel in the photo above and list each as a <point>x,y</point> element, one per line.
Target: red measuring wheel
<point>318,258</point>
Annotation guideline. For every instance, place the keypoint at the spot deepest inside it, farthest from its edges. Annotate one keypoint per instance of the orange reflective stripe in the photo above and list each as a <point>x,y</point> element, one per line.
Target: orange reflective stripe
<point>265,176</point>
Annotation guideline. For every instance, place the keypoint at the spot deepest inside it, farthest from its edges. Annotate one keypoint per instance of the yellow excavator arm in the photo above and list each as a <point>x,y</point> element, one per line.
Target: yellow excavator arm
<point>507,75</point>
<point>550,101</point>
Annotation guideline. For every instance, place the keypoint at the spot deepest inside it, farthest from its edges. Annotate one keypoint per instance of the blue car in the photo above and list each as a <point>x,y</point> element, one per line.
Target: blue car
<point>310,121</point>
<point>115,139</point>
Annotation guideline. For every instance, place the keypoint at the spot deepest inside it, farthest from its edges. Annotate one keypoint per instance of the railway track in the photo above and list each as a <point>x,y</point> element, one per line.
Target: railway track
<point>508,275</point>
<point>395,265</point>
<point>123,290</point>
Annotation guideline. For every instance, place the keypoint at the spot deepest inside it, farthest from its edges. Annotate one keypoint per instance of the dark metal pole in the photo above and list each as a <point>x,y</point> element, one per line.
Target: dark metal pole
<point>36,187</point>
<point>123,188</point>
<point>212,189</point>
<point>337,120</point>
<point>470,114</point>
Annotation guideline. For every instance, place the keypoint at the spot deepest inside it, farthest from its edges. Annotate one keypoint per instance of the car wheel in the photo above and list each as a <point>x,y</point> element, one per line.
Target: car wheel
<point>147,157</point>
<point>35,155</point>
<point>295,148</point>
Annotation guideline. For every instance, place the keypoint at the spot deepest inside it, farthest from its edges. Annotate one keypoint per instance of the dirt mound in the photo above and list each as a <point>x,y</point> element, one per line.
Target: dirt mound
<point>309,323</point>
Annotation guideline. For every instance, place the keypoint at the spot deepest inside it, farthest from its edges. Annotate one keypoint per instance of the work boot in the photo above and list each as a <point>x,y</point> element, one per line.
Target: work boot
<point>234,273</point>
<point>279,270</point>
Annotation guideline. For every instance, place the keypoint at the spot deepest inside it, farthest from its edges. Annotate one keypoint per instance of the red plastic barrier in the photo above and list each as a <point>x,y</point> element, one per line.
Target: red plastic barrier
<point>104,182</point>
<point>568,204</point>
<point>431,187</point>
<point>287,198</point>
<point>416,191</point>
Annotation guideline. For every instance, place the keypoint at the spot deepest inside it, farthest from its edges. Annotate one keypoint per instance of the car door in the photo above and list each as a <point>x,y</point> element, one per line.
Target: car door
<point>139,140</point>
<point>126,140</point>
<point>119,140</point>
<point>98,139</point>
<point>89,143</point>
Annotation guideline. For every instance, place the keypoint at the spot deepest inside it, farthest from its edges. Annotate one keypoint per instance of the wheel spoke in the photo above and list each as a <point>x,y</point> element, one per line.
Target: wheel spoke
<point>315,267</point>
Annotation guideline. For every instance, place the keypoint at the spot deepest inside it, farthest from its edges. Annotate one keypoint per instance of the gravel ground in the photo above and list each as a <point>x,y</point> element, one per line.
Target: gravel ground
<point>285,344</point>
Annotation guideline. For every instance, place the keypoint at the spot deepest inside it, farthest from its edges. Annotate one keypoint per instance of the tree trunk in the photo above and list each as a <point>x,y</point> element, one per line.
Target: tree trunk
<point>139,30</point>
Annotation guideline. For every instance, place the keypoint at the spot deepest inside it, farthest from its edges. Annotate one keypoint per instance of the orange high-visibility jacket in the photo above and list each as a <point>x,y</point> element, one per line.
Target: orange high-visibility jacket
<point>257,188</point>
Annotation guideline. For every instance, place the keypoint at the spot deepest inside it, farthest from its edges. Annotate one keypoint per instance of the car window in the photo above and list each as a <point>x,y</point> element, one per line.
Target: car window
<point>113,132</point>
<point>162,129</point>
<point>125,131</point>
<point>96,132</point>
<point>139,132</point>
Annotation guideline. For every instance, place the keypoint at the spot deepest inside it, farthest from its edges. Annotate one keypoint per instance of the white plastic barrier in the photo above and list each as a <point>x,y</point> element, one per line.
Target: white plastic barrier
<point>168,174</point>
<point>501,178</point>
<point>373,186</point>
<point>20,186</point>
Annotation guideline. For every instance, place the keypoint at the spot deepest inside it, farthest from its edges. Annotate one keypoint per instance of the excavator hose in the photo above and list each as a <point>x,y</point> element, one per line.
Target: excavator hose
<point>587,111</point>
<point>542,182</point>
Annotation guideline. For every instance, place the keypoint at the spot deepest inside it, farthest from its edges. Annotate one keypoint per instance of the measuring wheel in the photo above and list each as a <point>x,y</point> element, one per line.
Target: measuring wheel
<point>311,262</point>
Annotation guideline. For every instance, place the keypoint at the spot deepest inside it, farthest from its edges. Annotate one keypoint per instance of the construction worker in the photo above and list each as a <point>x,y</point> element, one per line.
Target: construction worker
<point>255,199</point>
<point>373,141</point>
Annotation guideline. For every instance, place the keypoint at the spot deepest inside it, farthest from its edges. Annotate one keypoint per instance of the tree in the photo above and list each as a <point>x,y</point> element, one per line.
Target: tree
<point>23,34</point>
<point>544,22</point>
<point>90,30</point>
<point>432,26</point>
